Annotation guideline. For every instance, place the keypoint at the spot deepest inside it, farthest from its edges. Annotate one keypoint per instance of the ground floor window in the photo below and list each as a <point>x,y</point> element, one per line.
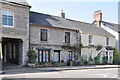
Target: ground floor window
<point>70,55</point>
<point>91,55</point>
<point>44,56</point>
<point>56,56</point>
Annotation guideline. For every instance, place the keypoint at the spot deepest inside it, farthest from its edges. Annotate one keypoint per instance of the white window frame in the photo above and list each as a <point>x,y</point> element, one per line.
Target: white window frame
<point>13,18</point>
<point>90,40</point>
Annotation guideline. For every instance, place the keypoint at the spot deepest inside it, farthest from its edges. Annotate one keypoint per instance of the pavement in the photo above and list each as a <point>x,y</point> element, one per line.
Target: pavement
<point>15,69</point>
<point>78,67</point>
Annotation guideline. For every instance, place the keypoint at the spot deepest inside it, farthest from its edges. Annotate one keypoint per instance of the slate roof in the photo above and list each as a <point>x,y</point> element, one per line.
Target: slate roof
<point>55,21</point>
<point>111,25</point>
<point>21,2</point>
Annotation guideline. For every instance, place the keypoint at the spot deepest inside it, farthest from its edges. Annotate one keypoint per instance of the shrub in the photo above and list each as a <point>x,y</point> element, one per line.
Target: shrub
<point>32,56</point>
<point>105,58</point>
<point>85,62</point>
<point>115,56</point>
<point>96,59</point>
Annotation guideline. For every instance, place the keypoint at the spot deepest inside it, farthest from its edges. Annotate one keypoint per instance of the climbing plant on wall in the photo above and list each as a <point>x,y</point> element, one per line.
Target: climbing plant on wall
<point>76,48</point>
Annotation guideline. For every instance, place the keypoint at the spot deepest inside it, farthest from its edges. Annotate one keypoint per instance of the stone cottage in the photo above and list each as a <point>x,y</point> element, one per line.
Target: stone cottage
<point>49,33</point>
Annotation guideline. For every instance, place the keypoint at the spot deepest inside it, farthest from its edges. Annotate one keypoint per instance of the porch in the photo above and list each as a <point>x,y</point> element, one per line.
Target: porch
<point>105,55</point>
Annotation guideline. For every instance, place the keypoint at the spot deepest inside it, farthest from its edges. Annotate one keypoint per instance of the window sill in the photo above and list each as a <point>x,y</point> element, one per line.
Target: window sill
<point>91,45</point>
<point>8,26</point>
<point>107,45</point>
<point>44,41</point>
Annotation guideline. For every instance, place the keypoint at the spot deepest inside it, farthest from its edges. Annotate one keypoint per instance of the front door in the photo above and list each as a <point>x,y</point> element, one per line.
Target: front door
<point>56,56</point>
<point>10,52</point>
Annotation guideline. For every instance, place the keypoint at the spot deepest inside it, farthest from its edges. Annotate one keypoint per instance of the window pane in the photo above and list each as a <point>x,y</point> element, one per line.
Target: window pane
<point>4,16</point>
<point>56,57</point>
<point>4,12</point>
<point>67,37</point>
<point>10,17</point>
<point>47,56</point>
<point>10,22</point>
<point>40,56</point>
<point>9,13</point>
<point>107,41</point>
<point>70,55</point>
<point>4,21</point>
<point>90,39</point>
<point>43,35</point>
<point>43,56</point>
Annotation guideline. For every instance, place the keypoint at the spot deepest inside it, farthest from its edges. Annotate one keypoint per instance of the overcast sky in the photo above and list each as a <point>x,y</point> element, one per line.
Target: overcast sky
<point>81,10</point>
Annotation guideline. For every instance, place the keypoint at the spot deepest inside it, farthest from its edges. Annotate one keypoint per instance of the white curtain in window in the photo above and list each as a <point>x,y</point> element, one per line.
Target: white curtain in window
<point>40,56</point>
<point>43,56</point>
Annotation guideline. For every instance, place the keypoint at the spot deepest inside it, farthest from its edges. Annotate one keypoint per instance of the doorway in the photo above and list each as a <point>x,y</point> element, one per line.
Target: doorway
<point>11,50</point>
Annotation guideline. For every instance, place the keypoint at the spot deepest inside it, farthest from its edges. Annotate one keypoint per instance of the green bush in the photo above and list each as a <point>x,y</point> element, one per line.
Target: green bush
<point>85,62</point>
<point>115,56</point>
<point>32,56</point>
<point>105,59</point>
<point>96,59</point>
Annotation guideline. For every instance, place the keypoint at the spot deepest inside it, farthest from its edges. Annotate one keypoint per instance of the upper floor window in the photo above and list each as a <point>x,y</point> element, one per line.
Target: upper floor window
<point>107,42</point>
<point>7,18</point>
<point>67,37</point>
<point>90,40</point>
<point>43,35</point>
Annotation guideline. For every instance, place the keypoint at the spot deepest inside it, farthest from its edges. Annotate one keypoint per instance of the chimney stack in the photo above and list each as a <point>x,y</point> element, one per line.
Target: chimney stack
<point>98,18</point>
<point>62,14</point>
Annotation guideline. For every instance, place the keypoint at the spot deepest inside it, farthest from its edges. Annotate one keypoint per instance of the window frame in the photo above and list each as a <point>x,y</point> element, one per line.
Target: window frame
<point>107,41</point>
<point>8,10</point>
<point>46,35</point>
<point>90,40</point>
<point>70,55</point>
<point>66,37</point>
<point>44,52</point>
<point>58,55</point>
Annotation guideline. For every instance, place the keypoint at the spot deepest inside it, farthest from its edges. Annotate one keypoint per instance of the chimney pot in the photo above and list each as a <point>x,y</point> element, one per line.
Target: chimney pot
<point>62,14</point>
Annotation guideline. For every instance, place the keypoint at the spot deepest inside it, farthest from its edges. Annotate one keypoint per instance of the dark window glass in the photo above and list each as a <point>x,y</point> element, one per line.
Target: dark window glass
<point>107,41</point>
<point>43,35</point>
<point>90,40</point>
<point>67,37</point>
<point>4,21</point>
<point>10,22</point>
